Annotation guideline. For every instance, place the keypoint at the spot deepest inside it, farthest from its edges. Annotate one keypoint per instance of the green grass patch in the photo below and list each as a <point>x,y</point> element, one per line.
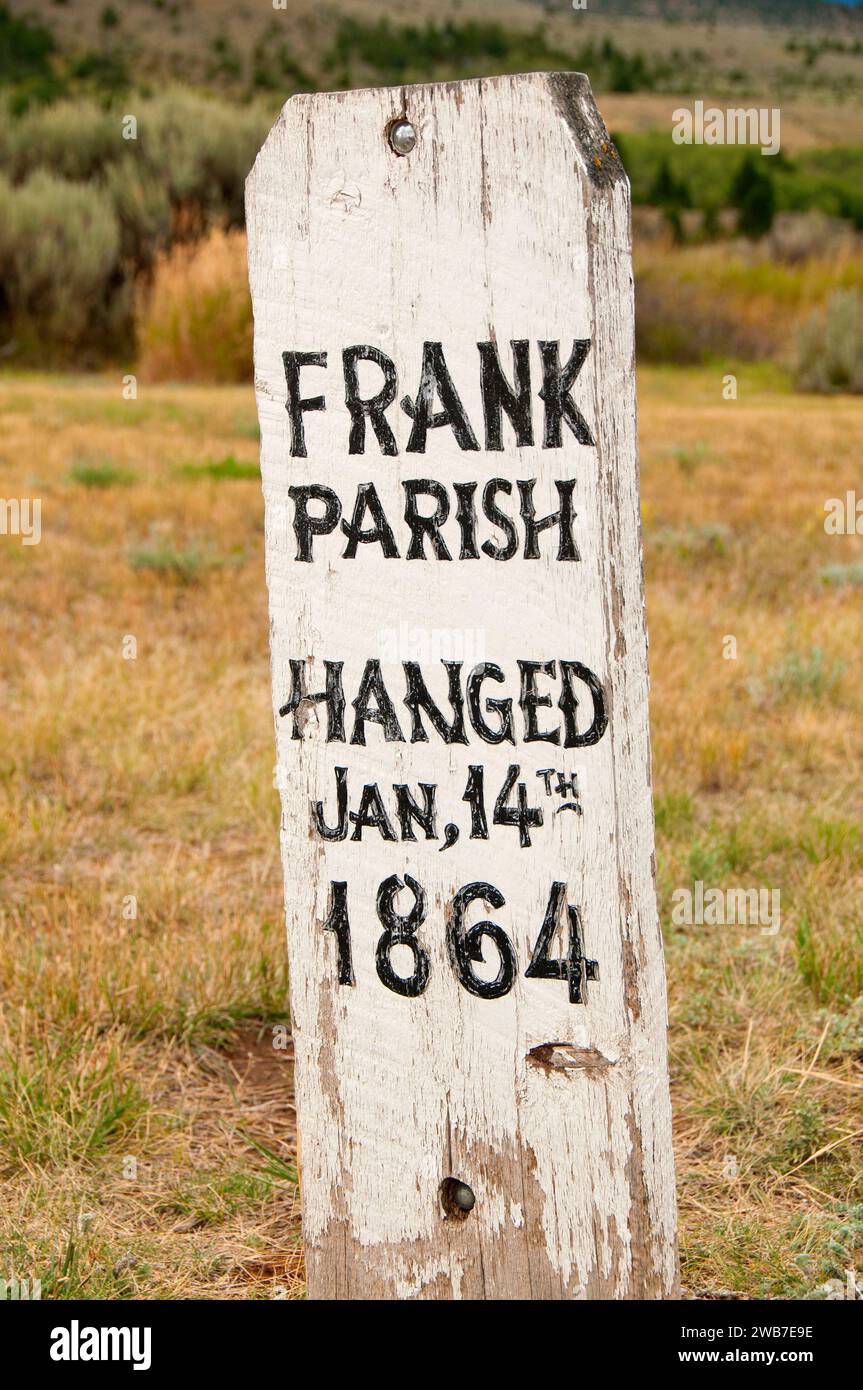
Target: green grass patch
<point>689,457</point>
<point>246,426</point>
<point>221,469</point>
<point>805,675</point>
<point>275,1167</point>
<point>723,853</point>
<point>209,1198</point>
<point>832,839</point>
<point>86,1266</point>
<point>673,812</point>
<point>841,576</point>
<point>57,1106</point>
<point>688,542</point>
<point>186,566</point>
<point>830,964</point>
<point>99,473</point>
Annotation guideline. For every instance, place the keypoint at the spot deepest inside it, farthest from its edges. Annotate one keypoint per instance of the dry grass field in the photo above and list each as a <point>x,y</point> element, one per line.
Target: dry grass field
<point>147,1138</point>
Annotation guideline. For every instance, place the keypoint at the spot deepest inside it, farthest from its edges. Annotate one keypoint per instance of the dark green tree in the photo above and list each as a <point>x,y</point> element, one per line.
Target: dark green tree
<point>753,195</point>
<point>667,191</point>
<point>710,228</point>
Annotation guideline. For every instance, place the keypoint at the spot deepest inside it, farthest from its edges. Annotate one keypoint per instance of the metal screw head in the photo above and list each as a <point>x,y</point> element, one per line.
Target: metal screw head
<point>457,1199</point>
<point>463,1196</point>
<point>402,136</point>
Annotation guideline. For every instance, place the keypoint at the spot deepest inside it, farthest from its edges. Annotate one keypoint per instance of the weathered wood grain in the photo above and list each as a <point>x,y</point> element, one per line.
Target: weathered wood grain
<point>509,220</point>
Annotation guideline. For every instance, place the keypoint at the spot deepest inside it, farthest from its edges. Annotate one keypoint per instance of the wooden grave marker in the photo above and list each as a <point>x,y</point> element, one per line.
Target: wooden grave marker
<point>442,287</point>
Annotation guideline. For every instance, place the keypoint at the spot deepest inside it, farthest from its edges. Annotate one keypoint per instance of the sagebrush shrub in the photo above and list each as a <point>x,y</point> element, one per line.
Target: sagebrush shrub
<point>86,213</point>
<point>59,262</point>
<point>830,346</point>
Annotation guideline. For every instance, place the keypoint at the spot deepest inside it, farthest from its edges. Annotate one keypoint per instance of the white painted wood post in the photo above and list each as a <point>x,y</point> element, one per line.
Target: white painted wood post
<point>445,383</point>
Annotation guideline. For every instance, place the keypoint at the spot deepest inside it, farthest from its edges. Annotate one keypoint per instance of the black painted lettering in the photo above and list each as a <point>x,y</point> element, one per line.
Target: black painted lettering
<point>499,519</point>
<point>562,518</point>
<point>571,671</point>
<point>306,526</point>
<point>371,815</point>
<point>498,395</point>
<point>466,517</point>
<point>382,712</point>
<point>340,830</point>
<point>410,811</point>
<point>418,698</point>
<point>530,700</point>
<point>422,526</point>
<point>295,404</point>
<point>373,408</point>
<point>557,382</point>
<point>379,534</point>
<point>435,379</point>
<point>333,696</point>
<point>505,731</point>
